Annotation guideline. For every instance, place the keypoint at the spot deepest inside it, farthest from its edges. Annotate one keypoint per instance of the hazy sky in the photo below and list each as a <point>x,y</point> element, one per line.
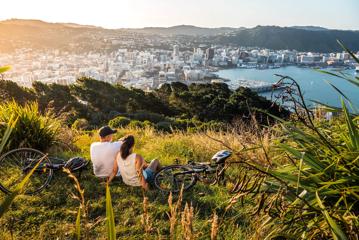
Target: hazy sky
<point>340,14</point>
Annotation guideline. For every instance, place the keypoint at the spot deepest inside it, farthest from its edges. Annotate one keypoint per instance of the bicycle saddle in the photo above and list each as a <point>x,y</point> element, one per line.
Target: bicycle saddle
<point>221,156</point>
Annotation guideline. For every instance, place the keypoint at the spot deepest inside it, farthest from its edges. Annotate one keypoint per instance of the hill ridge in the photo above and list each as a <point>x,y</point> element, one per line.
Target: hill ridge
<point>42,34</point>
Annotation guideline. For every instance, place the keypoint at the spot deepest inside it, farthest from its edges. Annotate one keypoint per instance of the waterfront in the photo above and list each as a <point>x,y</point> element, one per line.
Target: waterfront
<point>312,82</point>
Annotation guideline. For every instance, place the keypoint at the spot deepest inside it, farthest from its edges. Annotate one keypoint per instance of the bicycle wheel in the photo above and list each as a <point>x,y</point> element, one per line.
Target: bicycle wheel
<point>16,164</point>
<point>171,178</point>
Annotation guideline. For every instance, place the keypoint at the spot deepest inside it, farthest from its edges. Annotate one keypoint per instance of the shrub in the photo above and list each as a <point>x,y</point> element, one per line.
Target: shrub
<point>184,124</point>
<point>10,90</point>
<point>214,125</point>
<point>180,123</point>
<point>164,126</point>
<point>148,124</point>
<point>81,124</point>
<point>7,132</point>
<point>119,122</point>
<point>32,128</point>
<point>113,114</point>
<point>145,115</point>
<point>136,124</point>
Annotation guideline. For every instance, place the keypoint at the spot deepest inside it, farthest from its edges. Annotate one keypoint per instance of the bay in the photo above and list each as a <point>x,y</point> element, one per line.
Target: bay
<point>312,82</point>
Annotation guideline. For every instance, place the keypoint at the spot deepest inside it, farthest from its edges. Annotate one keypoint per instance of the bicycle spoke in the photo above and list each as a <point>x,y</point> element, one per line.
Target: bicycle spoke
<point>15,165</point>
<point>171,178</point>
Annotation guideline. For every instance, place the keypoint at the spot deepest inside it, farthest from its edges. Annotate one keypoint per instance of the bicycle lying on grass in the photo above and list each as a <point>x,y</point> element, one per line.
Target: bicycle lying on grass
<point>15,164</point>
<point>173,177</point>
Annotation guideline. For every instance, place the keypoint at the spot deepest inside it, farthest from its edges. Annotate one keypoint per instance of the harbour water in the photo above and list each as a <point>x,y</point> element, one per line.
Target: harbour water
<point>313,83</point>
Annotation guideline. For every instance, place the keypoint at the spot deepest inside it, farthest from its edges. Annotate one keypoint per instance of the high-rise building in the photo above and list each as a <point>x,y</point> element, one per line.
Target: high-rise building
<point>210,53</point>
<point>175,51</point>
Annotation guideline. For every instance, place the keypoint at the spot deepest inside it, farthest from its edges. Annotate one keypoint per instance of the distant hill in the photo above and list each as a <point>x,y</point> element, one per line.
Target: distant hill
<point>185,30</point>
<point>17,33</point>
<point>37,34</point>
<point>273,37</point>
<point>311,28</point>
<point>42,24</point>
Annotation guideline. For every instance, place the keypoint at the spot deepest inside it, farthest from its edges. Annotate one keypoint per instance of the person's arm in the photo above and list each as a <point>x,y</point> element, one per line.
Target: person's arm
<point>114,171</point>
<point>139,168</point>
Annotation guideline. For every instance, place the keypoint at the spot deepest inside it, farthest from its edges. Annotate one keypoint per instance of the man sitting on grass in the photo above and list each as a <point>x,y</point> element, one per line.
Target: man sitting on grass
<point>103,153</point>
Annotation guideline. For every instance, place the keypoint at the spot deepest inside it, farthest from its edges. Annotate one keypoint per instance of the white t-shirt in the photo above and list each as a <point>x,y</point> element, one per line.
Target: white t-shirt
<point>103,155</point>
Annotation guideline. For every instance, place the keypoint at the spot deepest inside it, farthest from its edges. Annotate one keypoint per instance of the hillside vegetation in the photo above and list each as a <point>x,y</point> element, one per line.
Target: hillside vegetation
<point>277,38</point>
<point>52,213</point>
<point>173,105</point>
<point>295,178</point>
<point>232,211</point>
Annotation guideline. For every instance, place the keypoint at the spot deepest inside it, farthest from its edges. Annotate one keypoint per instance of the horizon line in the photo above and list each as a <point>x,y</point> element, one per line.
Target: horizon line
<point>190,25</point>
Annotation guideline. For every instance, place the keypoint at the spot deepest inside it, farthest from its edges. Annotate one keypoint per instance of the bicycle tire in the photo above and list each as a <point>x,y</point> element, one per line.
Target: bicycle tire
<point>14,165</point>
<point>159,183</point>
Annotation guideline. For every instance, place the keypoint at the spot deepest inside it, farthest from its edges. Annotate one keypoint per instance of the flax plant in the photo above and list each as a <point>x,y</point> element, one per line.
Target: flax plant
<point>314,192</point>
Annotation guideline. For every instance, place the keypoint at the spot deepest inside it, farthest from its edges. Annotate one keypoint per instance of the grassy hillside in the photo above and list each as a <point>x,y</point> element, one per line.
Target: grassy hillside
<point>294,179</point>
<point>293,172</point>
<point>52,214</point>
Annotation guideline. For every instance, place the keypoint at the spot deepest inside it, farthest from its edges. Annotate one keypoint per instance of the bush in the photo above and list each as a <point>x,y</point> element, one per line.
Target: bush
<point>181,124</point>
<point>32,128</point>
<point>148,124</point>
<point>214,125</point>
<point>145,115</point>
<point>136,124</point>
<point>81,124</point>
<point>164,126</point>
<point>119,122</point>
<point>113,114</point>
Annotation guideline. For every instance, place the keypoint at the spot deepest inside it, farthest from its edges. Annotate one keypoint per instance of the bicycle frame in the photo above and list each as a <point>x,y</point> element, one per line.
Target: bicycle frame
<point>197,169</point>
<point>42,166</point>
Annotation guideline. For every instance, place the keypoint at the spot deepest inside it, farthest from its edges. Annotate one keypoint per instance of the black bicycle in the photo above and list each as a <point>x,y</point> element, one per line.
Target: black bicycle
<point>16,164</point>
<point>172,178</point>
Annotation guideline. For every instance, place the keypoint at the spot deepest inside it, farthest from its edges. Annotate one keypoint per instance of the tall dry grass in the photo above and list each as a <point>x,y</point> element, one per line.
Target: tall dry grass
<point>214,226</point>
<point>175,209</point>
<point>146,218</point>
<point>187,222</point>
<point>198,146</point>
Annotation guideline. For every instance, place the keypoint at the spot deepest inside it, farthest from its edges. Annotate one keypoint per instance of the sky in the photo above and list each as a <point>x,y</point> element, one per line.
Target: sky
<point>335,14</point>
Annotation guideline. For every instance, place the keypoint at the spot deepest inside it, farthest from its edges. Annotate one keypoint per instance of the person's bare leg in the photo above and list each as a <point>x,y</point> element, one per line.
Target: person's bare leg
<point>154,165</point>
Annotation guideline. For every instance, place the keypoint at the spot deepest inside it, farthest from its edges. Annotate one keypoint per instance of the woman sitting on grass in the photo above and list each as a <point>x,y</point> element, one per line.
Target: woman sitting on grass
<point>134,170</point>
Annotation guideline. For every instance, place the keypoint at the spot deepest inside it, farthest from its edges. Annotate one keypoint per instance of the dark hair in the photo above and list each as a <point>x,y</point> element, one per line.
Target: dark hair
<point>127,144</point>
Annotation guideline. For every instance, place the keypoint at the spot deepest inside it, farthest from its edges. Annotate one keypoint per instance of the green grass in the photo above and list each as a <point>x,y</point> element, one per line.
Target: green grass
<point>310,189</point>
<point>53,213</point>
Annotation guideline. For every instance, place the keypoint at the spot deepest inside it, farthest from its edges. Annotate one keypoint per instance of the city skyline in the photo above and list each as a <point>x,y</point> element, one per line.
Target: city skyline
<point>161,13</point>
